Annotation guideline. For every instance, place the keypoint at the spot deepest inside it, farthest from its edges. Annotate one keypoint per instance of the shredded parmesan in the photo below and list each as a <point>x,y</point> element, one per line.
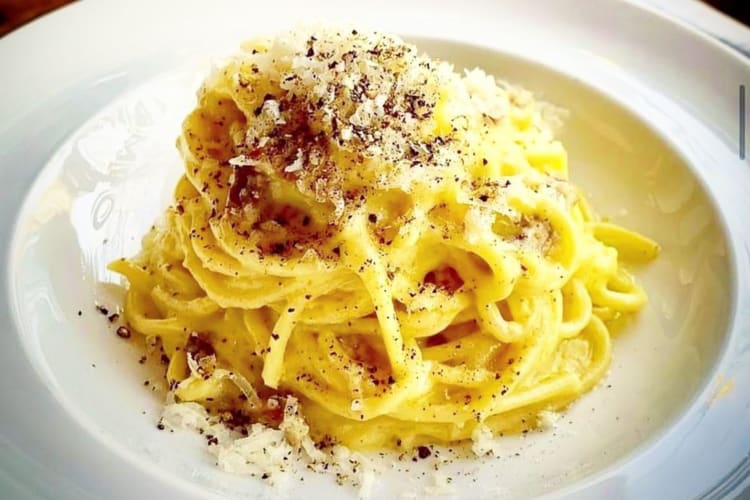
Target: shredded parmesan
<point>242,161</point>
<point>263,451</point>
<point>205,368</point>
<point>548,419</point>
<point>272,454</point>
<point>483,442</point>
<point>440,486</point>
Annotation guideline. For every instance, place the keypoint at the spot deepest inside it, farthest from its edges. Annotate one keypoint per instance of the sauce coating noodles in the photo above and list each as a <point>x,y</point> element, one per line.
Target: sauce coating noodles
<point>395,244</point>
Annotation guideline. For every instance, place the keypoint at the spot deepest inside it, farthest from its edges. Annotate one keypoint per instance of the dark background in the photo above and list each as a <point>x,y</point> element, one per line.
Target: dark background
<point>738,9</point>
<point>14,13</point>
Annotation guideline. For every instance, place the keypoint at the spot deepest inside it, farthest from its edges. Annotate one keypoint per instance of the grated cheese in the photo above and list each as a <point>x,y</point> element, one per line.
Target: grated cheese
<point>275,455</point>
<point>483,442</point>
<point>441,485</point>
<point>548,419</point>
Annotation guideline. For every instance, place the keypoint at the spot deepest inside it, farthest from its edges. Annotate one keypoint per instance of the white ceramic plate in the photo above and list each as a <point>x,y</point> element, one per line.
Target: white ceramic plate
<point>92,99</point>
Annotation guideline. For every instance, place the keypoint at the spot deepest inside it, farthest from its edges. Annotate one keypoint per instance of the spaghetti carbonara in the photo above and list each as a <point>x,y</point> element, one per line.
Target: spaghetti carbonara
<point>392,243</point>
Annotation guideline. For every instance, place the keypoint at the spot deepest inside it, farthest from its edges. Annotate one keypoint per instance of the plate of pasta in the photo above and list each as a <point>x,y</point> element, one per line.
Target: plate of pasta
<point>484,256</point>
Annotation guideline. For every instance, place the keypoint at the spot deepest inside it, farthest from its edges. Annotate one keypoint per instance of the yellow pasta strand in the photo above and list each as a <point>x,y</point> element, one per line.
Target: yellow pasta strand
<point>402,252</point>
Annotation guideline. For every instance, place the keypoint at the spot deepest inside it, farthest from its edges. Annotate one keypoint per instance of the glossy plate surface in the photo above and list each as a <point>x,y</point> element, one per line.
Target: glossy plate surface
<point>88,163</point>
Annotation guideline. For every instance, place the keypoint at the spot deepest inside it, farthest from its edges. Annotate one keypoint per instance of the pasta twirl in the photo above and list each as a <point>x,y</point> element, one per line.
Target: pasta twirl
<point>395,244</point>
